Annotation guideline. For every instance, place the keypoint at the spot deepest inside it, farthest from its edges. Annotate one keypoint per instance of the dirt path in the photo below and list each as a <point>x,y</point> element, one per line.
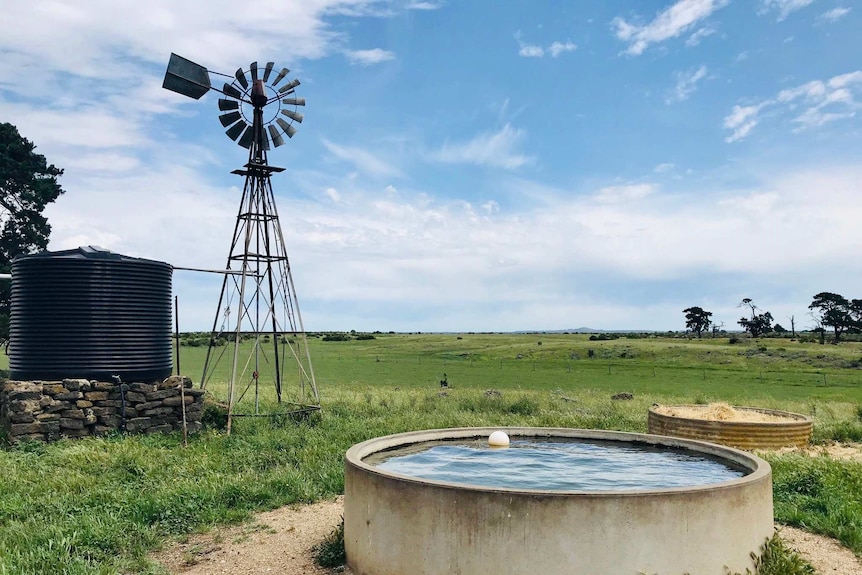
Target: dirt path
<point>278,541</point>
<point>281,541</point>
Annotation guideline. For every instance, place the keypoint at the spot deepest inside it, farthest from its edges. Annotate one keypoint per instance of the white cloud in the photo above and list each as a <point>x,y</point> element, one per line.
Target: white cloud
<point>663,168</point>
<point>363,160</point>
<point>741,120</point>
<point>835,14</point>
<point>783,7</point>
<point>418,5</point>
<point>531,51</point>
<point>333,194</point>
<point>699,35</point>
<point>813,104</point>
<point>495,149</point>
<point>624,193</point>
<point>535,51</point>
<point>686,84</point>
<point>369,57</point>
<point>557,48</point>
<point>681,17</point>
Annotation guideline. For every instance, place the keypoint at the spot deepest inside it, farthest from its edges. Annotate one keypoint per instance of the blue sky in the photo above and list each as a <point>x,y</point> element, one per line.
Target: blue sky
<point>470,165</point>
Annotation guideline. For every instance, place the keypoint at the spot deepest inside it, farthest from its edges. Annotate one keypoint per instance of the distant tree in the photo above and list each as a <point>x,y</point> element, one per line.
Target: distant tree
<point>759,323</point>
<point>835,311</point>
<point>27,184</point>
<point>697,319</point>
<point>778,328</point>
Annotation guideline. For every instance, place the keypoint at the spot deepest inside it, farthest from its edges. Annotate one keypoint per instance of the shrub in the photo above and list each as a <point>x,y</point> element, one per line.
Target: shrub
<point>365,336</point>
<point>337,337</point>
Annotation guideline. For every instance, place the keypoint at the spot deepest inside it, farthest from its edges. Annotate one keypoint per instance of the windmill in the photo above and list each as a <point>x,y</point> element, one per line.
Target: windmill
<point>257,324</point>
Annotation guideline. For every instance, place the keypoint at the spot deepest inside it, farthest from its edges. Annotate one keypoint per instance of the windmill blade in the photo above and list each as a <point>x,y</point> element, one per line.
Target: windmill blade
<point>224,104</point>
<point>268,70</point>
<point>253,68</point>
<point>288,129</point>
<point>280,76</point>
<point>289,86</point>
<point>232,92</point>
<point>293,115</point>
<point>247,137</point>
<point>240,76</point>
<point>294,101</point>
<point>277,140</point>
<point>234,131</point>
<point>230,118</point>
<point>264,144</point>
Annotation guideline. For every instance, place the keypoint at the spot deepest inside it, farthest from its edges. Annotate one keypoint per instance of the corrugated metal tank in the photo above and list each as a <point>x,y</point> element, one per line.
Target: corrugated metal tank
<point>90,313</point>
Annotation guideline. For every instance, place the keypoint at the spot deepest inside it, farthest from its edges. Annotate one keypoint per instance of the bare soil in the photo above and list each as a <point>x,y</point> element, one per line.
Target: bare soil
<point>278,541</point>
<point>281,541</point>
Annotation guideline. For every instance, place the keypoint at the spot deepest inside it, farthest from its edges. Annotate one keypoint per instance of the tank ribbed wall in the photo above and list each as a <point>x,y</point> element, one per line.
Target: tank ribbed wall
<point>91,314</point>
<point>795,431</point>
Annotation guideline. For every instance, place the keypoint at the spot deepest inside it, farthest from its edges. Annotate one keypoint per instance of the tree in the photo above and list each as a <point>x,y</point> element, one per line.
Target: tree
<point>835,311</point>
<point>778,328</point>
<point>759,323</point>
<point>27,184</point>
<point>697,319</point>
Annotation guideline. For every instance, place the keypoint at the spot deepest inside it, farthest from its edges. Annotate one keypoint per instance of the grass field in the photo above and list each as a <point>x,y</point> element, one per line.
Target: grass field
<point>99,505</point>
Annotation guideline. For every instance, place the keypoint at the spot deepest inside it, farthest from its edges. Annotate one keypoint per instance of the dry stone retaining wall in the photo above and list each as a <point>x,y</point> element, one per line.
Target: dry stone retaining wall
<point>49,410</point>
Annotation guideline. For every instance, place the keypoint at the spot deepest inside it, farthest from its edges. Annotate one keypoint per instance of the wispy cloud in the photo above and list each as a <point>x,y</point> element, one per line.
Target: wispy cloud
<point>624,193</point>
<point>669,23</point>
<point>418,5</point>
<point>783,7</point>
<point>835,14</point>
<point>699,35</point>
<point>557,48</point>
<point>741,120</point>
<point>814,104</point>
<point>686,84</point>
<point>663,168</point>
<point>369,57</point>
<point>362,160</point>
<point>535,51</point>
<point>496,149</point>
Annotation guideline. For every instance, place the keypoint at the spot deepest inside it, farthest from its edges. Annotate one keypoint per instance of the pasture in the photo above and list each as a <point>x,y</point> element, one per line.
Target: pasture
<point>99,505</point>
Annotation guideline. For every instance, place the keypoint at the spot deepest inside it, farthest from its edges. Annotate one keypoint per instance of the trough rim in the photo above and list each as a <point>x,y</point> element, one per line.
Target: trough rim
<point>759,469</point>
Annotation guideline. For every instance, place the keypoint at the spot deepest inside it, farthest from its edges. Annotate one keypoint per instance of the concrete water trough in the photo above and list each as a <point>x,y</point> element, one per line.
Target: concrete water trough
<point>774,430</point>
<point>395,523</point>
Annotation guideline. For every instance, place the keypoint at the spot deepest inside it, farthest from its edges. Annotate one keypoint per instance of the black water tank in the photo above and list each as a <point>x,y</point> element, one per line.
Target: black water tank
<point>89,313</point>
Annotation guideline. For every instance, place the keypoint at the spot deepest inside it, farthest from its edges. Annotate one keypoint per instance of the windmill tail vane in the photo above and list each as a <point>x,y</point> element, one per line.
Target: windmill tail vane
<point>267,334</point>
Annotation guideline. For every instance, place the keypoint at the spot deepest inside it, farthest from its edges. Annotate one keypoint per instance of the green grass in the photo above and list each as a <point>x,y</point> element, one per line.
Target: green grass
<point>100,505</point>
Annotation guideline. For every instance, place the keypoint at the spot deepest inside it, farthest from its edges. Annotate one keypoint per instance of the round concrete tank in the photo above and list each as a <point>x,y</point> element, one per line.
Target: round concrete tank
<point>396,524</point>
<point>89,313</point>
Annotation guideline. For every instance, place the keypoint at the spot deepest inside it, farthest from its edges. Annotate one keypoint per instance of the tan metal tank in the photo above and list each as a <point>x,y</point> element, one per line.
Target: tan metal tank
<point>794,431</point>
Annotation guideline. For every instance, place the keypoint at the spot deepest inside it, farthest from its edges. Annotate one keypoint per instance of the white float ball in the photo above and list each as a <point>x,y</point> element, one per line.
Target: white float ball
<point>498,439</point>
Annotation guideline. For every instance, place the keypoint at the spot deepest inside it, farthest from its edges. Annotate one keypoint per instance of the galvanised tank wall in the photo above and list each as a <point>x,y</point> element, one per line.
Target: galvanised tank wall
<point>795,432</point>
<point>89,313</point>
<point>394,524</point>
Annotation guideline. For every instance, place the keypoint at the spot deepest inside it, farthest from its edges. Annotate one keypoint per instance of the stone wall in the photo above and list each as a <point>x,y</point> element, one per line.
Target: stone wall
<point>49,410</point>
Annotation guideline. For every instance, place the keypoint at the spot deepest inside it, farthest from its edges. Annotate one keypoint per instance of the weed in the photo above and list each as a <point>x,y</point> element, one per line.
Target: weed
<point>330,551</point>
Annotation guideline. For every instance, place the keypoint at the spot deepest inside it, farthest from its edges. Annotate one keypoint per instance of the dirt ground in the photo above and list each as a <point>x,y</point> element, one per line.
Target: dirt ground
<point>281,541</point>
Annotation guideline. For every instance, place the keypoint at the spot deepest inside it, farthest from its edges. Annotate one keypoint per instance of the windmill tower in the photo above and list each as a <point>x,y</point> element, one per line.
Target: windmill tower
<point>258,327</point>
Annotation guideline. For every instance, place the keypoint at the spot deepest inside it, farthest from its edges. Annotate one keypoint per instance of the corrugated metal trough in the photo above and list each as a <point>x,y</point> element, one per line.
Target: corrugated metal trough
<point>795,431</point>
